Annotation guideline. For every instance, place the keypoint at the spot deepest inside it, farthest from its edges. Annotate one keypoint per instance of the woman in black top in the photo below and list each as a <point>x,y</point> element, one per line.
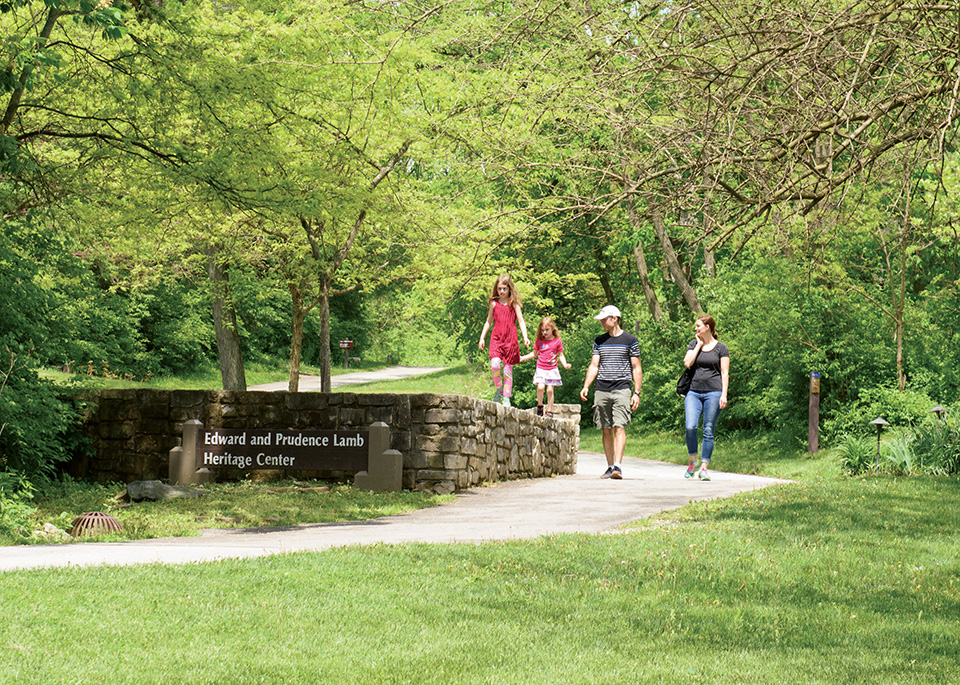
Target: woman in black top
<point>710,361</point>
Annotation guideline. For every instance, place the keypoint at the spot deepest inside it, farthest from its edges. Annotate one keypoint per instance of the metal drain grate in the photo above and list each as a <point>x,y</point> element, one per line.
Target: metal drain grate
<point>94,523</point>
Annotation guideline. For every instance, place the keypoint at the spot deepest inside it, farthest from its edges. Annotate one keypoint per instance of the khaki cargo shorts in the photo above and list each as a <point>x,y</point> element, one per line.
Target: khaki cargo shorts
<point>611,409</point>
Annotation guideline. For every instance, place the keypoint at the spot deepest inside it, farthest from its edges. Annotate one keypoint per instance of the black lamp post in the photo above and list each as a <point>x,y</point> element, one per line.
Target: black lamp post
<point>939,411</point>
<point>879,423</point>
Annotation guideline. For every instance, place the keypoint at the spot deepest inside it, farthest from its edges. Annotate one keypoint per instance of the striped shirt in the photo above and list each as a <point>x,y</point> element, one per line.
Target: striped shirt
<point>615,371</point>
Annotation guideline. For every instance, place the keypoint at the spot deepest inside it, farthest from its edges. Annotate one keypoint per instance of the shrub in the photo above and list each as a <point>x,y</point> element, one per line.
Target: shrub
<point>662,347</point>
<point>405,326</point>
<point>40,428</point>
<point>906,408</point>
<point>857,455</point>
<point>931,447</point>
<point>174,322</point>
<point>936,444</point>
<point>898,455</point>
<point>16,491</point>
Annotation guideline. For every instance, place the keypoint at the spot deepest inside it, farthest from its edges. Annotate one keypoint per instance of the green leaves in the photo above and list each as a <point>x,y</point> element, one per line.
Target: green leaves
<point>16,492</point>
<point>110,19</point>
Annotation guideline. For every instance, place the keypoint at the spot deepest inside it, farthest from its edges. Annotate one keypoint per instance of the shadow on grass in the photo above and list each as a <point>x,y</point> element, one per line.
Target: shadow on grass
<point>857,507</point>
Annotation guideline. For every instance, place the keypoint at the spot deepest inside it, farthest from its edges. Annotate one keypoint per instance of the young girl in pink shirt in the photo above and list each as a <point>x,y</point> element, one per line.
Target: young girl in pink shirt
<point>548,349</point>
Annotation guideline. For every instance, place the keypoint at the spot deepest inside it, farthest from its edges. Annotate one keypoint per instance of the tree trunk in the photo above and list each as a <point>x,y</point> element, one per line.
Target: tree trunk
<point>900,304</point>
<point>649,294</point>
<point>901,375</point>
<point>298,314</point>
<point>325,336</point>
<point>602,274</point>
<point>709,258</point>
<point>898,286</point>
<point>686,289</point>
<point>225,325</point>
<point>13,106</point>
<point>710,261</point>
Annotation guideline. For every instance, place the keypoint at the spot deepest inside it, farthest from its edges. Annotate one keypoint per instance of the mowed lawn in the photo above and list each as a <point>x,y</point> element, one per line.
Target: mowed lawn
<point>831,580</point>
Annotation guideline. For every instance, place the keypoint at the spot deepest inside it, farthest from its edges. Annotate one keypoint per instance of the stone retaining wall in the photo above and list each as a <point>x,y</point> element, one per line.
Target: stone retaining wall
<point>446,440</point>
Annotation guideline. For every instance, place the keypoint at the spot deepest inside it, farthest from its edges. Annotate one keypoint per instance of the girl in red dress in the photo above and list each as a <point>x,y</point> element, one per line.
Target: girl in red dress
<point>504,314</point>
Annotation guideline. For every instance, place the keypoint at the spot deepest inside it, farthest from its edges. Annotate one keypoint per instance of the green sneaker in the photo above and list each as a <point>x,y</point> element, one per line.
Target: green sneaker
<point>703,475</point>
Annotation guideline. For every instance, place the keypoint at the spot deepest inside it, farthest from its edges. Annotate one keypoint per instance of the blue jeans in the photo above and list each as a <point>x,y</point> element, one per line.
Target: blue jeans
<point>695,404</point>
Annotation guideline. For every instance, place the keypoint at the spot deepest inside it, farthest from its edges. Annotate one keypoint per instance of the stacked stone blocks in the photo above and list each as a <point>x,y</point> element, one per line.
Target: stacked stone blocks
<point>446,440</point>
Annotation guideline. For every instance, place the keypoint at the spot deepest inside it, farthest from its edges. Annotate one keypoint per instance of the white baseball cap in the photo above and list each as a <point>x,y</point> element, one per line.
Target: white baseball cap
<point>609,310</point>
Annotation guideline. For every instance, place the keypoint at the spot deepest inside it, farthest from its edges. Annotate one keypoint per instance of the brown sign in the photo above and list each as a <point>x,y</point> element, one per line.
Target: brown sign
<point>249,449</point>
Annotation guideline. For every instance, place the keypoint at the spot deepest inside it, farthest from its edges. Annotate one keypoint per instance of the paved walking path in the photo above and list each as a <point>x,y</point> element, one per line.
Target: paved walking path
<point>521,509</point>
<point>389,373</point>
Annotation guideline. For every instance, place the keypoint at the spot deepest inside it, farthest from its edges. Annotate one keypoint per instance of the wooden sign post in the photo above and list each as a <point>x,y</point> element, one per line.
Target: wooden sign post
<point>813,436</point>
<point>346,346</point>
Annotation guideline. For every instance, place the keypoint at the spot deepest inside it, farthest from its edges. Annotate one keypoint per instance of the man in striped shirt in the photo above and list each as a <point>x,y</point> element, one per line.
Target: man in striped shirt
<point>615,366</point>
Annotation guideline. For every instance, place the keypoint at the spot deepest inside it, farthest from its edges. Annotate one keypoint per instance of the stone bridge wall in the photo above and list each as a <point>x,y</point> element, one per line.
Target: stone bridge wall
<point>446,440</point>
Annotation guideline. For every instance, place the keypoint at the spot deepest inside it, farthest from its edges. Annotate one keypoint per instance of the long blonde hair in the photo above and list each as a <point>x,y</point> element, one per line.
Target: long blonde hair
<point>546,322</point>
<point>513,297</point>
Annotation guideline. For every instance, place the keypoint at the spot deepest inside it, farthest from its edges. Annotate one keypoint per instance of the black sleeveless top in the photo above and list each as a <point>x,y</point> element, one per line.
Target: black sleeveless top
<point>706,368</point>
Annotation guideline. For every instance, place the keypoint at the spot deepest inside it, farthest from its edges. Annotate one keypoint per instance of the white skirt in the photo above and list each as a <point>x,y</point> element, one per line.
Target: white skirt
<point>547,376</point>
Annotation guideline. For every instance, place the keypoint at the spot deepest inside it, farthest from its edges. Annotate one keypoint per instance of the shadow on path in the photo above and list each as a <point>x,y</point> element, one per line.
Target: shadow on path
<point>520,509</point>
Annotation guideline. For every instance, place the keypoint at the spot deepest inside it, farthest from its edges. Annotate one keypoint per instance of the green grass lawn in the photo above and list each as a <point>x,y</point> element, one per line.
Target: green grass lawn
<point>827,581</point>
<point>242,504</point>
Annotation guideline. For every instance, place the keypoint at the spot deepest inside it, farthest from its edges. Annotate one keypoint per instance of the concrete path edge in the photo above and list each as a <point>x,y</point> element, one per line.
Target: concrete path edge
<point>513,510</point>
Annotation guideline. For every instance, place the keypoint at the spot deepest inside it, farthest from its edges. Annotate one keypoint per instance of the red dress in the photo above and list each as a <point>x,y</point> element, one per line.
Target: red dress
<point>503,339</point>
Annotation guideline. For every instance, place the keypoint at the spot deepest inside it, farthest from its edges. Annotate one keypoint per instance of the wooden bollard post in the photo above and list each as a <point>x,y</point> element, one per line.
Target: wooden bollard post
<point>813,434</point>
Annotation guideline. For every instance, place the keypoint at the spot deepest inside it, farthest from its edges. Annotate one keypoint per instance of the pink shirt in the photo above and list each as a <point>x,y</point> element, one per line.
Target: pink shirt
<point>548,353</point>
